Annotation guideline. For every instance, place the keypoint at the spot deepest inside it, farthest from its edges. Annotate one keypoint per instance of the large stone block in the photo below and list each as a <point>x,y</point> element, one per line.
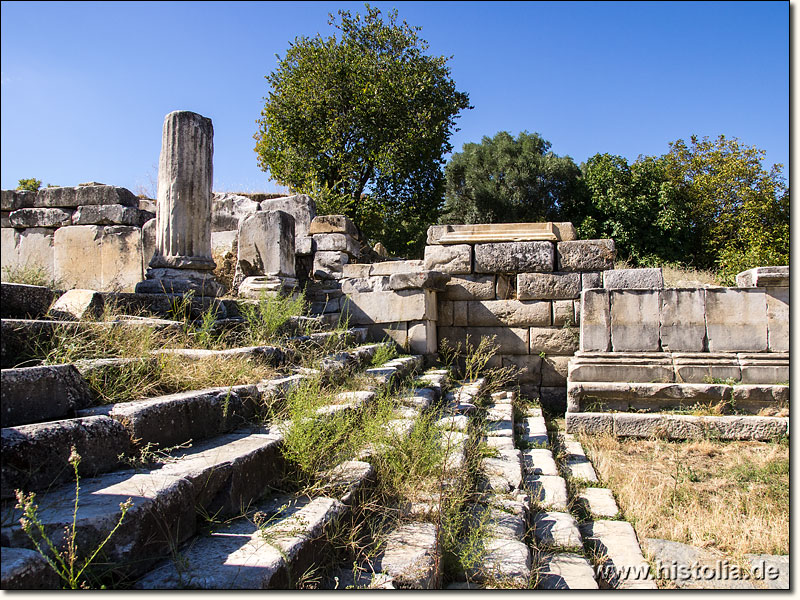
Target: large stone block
<point>683,320</point>
<point>78,304</point>
<point>564,313</point>
<point>300,206</point>
<point>514,257</point>
<point>506,287</point>
<point>444,312</point>
<point>554,371</point>
<point>456,260</point>
<point>595,321</point>
<point>764,277</point>
<point>508,313</point>
<point>27,248</point>
<point>16,199</point>
<point>390,267</point>
<point>266,245</point>
<point>626,367</point>
<point>337,242</point>
<point>422,337</point>
<point>591,280</point>
<point>332,224</point>
<point>99,194</point>
<point>736,319</point>
<point>365,284</point>
<point>397,332</point>
<point>228,209</point>
<point>104,258</point>
<point>510,340</point>
<point>328,265</point>
<point>470,287</point>
<point>148,243</point>
<point>500,232</point>
<point>528,366</point>
<point>428,280</point>
<point>698,367</point>
<point>554,340</point>
<point>355,270</point>
<point>585,255</point>
<point>548,286</point>
<point>111,214</point>
<point>21,301</point>
<point>765,367</point>
<point>390,307</point>
<point>40,217</point>
<point>778,319</point>
<point>635,320</point>
<point>34,394</point>
<point>637,279</point>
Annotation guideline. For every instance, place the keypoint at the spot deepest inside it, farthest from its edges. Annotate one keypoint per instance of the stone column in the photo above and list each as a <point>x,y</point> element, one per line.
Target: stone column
<point>182,259</point>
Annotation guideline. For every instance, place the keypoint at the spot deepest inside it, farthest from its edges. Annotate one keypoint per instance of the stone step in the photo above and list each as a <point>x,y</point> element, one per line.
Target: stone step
<point>620,561</point>
<point>576,465</point>
<point>394,370</point>
<point>501,474</point>
<point>564,571</point>
<point>219,476</point>
<point>26,570</point>
<point>557,529</point>
<point>598,502</point>
<point>548,492</point>
<point>533,432</point>
<point>269,355</point>
<point>539,461</point>
<point>35,394</point>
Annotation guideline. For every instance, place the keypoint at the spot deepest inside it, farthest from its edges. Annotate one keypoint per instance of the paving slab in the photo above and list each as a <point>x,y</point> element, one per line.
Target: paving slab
<point>622,563</point>
<point>565,571</point>
<point>554,528</point>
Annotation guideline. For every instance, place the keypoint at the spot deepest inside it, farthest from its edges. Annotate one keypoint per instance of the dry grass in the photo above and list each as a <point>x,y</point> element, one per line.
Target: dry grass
<point>679,276</point>
<point>731,496</point>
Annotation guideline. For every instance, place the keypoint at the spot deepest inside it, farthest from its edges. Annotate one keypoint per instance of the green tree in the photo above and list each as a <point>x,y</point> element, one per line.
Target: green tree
<point>506,180</point>
<point>29,185</point>
<point>367,118</point>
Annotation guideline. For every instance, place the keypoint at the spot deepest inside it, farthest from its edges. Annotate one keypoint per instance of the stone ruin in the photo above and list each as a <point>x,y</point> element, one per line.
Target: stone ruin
<point>612,349</point>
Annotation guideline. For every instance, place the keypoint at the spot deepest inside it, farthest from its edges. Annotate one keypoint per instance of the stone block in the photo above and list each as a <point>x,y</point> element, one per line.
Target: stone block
<point>332,224</point>
<point>396,332</point>
<point>5,220</point>
<point>635,320</point>
<point>549,492</point>
<point>772,367</point>
<point>77,304</point>
<point>577,305</point>
<point>40,217</point>
<point>16,199</point>
<point>548,286</point>
<point>508,313</point>
<point>337,242</point>
<point>539,461</point>
<point>514,257</point>
<point>389,307</point>
<point>300,206</point>
<point>470,287</point>
<point>33,394</point>
<point>637,279</point>
<point>422,337</point>
<point>390,267</point>
<point>366,284</point>
<point>554,340</point>
<point>460,313</point>
<point>428,280</point>
<point>595,321</point>
<point>565,571</point>
<point>148,243</point>
<point>778,319</point>
<point>228,209</point>
<point>683,320</point>
<point>304,245</point>
<point>585,255</point>
<point>444,312</point>
<point>643,367</point>
<point>699,367</point>
<point>328,265</point>
<point>639,425</point>
<point>21,301</point>
<point>410,556</point>
<point>56,197</point>
<point>97,257</point>
<point>27,248</point>
<point>736,319</point>
<point>506,288</point>
<point>111,214</point>
<point>355,270</point>
<point>750,396</point>
<point>529,367</point>
<point>591,280</point>
<point>557,529</point>
<point>99,194</point>
<point>564,313</point>
<point>223,242</point>
<point>510,340</point>
<point>25,569</point>
<point>589,423</point>
<point>266,245</point>
<point>764,277</point>
<point>554,371</point>
<point>456,260</point>
<point>626,567</point>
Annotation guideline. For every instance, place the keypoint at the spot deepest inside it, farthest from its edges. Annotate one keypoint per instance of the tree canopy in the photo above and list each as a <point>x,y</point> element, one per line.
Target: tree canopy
<point>363,121</point>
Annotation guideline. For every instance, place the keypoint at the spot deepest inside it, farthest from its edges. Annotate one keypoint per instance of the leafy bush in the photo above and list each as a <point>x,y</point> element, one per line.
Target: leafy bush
<point>29,185</point>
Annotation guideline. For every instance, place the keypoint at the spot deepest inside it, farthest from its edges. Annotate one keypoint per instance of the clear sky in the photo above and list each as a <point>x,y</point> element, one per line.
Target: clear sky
<point>86,86</point>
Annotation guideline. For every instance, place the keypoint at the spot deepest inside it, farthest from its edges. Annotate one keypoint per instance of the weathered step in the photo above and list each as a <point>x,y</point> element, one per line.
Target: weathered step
<point>26,570</point>
<point>548,492</point>
<point>565,571</point>
<point>21,301</point>
<point>409,559</point>
<point>37,456</point>
<point>539,461</point>
<point>178,418</point>
<point>576,464</point>
<point>218,477</point>
<point>533,431</point>
<point>558,529</point>
<point>269,355</point>
<point>621,564</point>
<point>501,474</point>
<point>505,558</point>
<point>598,502</point>
<point>34,394</point>
<point>394,370</point>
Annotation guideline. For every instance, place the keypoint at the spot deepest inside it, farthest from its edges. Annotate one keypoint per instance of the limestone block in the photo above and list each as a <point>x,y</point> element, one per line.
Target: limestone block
<point>759,396</point>
<point>511,340</point>
<point>500,232</point>
<point>422,337</point>
<point>778,319</point>
<point>565,571</point>
<point>77,304</point>
<point>337,242</point>
<point>470,287</point>
<point>27,570</point>
<point>626,367</point>
<point>506,288</point>
<point>56,197</point>
<point>638,279</point>
<point>577,305</point>
<point>390,267</point>
<point>148,243</point>
<point>99,194</point>
<point>585,255</point>
<point>266,245</point>
<point>683,320</point>
<point>736,319</point>
<point>764,277</point>
<point>428,280</point>
<point>40,217</point>
<point>97,257</point>
<point>539,461</point>
<point>444,312</point>
<point>396,332</point>
<point>328,265</point>
<point>508,313</point>
<point>223,242</point>
<point>529,367</point>
<point>111,214</point>
<point>698,367</point>
<point>332,224</point>
<point>554,340</point>
<point>460,313</point>
<point>16,199</point>
<point>366,284</point>
<point>589,423</point>
<point>35,394</point>
<point>554,371</point>
<point>27,248</point>
<point>304,245</point>
<point>228,209</point>
<point>591,280</point>
<point>456,260</point>
<point>635,320</point>
<point>409,557</point>
<point>557,529</point>
<point>549,492</point>
<point>22,301</point>
<point>514,257</point>
<point>389,307</point>
<point>548,286</point>
<point>595,321</point>
<point>301,207</point>
<point>564,313</point>
<point>356,270</point>
<point>617,540</point>
<point>772,367</point>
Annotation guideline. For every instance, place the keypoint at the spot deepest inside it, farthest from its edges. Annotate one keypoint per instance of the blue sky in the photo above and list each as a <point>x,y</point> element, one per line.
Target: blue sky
<point>85,86</point>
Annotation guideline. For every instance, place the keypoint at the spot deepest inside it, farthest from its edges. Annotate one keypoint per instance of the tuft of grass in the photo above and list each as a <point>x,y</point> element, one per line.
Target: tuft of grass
<point>30,274</point>
<point>266,319</point>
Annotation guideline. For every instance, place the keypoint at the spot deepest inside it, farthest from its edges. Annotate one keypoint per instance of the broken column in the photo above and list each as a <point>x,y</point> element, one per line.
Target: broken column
<point>182,261</point>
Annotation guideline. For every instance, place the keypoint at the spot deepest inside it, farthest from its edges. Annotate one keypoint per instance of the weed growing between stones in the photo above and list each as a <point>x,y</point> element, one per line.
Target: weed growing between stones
<point>265,319</point>
<point>70,562</point>
<point>30,274</point>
